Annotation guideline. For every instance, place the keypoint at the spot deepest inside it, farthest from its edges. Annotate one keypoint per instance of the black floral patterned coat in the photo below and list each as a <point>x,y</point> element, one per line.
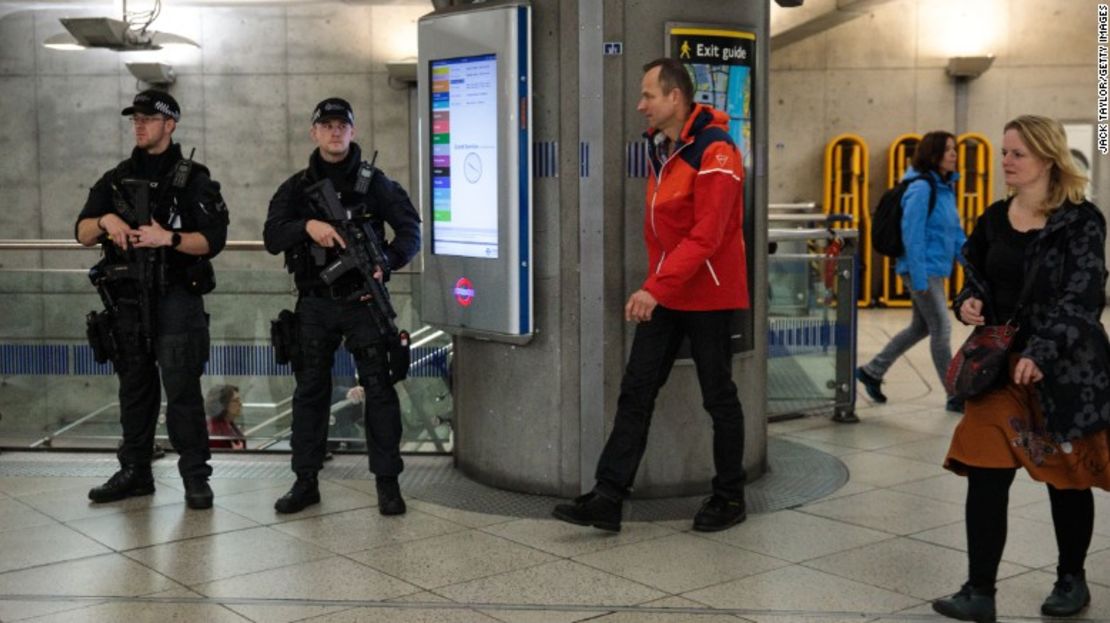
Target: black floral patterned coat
<point>1061,318</point>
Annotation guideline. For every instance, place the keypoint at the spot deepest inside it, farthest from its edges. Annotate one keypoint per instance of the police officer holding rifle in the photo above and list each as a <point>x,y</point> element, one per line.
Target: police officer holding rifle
<point>328,220</point>
<point>159,218</point>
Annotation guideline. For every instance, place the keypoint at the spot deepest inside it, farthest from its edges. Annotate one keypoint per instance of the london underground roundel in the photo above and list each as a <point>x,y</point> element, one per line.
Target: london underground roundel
<point>464,291</point>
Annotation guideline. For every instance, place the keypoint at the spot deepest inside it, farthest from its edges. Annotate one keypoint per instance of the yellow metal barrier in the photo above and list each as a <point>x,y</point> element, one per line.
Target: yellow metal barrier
<point>846,166</point>
<point>898,159</point>
<point>973,190</point>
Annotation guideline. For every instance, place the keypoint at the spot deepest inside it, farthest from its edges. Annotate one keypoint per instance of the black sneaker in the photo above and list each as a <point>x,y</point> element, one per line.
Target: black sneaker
<point>390,501</point>
<point>304,493</point>
<point>969,604</point>
<point>591,509</point>
<point>130,481</point>
<point>1069,596</point>
<point>718,513</point>
<point>198,495</point>
<point>871,385</point>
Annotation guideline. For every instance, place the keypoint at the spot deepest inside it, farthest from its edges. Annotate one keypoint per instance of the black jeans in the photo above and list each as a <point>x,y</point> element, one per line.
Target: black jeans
<point>988,496</point>
<point>654,348</point>
<point>180,352</point>
<point>323,323</point>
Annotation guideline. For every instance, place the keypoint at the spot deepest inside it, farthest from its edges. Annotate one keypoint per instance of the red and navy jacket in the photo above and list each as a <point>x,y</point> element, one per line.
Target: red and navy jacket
<point>693,225</point>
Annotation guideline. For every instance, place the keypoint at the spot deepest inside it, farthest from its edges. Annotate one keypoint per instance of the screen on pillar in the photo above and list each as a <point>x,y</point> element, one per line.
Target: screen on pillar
<point>474,102</point>
<point>464,156</point>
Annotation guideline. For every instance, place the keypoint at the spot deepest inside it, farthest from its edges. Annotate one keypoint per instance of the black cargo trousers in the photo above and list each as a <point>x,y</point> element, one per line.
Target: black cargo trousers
<point>322,322</point>
<point>180,350</point>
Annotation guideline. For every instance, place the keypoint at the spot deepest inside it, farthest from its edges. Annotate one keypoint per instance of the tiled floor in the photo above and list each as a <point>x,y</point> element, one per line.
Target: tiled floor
<point>878,549</point>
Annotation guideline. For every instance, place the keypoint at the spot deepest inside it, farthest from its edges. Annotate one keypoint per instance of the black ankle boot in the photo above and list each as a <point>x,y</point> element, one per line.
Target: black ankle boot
<point>969,604</point>
<point>390,501</point>
<point>592,509</point>
<point>718,513</point>
<point>129,481</point>
<point>1069,596</point>
<point>304,493</point>
<point>198,495</point>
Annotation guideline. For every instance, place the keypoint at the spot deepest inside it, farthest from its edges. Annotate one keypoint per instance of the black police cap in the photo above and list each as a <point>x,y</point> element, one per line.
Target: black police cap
<point>333,108</point>
<point>154,102</point>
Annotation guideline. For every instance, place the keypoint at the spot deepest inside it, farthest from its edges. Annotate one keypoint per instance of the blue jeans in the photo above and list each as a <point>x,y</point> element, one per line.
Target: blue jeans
<point>930,319</point>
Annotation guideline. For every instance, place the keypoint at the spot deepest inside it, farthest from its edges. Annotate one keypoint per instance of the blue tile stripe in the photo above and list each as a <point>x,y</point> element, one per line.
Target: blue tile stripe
<point>545,159</point>
<point>795,336</point>
<point>33,359</point>
<point>223,360</point>
<point>636,155</point>
<point>583,159</point>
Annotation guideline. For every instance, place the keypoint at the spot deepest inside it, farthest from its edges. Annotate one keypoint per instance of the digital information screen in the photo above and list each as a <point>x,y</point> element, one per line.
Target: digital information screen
<point>464,156</point>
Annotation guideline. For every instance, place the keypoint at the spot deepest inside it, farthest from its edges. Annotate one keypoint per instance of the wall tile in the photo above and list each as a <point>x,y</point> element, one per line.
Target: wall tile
<point>17,44</point>
<point>244,40</point>
<point>245,130</point>
<point>797,122</point>
<point>18,131</point>
<point>873,40</point>
<point>934,101</point>
<point>947,28</point>
<point>393,32</point>
<point>330,38</point>
<point>1053,33</point>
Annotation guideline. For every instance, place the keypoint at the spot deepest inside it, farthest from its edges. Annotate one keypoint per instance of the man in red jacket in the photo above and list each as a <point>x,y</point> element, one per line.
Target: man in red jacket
<point>693,228</point>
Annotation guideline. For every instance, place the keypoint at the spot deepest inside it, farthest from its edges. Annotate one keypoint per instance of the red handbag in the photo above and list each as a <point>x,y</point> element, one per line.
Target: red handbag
<point>984,359</point>
<point>981,362</point>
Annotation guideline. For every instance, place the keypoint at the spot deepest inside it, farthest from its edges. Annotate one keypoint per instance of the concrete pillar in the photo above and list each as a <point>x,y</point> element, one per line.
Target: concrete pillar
<point>533,418</point>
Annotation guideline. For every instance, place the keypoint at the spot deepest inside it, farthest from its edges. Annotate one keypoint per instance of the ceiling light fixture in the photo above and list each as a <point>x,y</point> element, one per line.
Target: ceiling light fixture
<point>130,34</point>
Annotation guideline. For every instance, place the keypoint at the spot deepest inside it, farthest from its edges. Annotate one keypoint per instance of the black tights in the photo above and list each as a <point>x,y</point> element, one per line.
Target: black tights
<point>988,496</point>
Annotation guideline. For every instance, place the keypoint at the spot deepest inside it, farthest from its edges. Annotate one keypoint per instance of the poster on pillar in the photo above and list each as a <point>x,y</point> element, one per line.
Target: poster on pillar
<point>721,62</point>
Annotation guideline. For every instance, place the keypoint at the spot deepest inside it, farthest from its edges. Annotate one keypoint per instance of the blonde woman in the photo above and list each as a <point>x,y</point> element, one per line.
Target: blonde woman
<point>1051,414</point>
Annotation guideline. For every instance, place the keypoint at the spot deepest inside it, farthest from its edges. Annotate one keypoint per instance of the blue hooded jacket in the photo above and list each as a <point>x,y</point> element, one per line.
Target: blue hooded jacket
<point>932,241</point>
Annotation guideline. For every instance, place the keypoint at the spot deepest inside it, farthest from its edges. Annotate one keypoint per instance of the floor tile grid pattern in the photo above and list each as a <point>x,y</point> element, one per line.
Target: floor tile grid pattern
<point>879,548</point>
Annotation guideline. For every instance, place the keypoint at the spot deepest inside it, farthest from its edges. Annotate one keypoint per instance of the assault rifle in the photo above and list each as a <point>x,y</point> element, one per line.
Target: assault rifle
<point>363,254</point>
<point>145,267</point>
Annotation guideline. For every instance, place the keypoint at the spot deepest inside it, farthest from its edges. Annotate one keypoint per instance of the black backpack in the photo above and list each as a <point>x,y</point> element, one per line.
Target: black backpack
<point>886,221</point>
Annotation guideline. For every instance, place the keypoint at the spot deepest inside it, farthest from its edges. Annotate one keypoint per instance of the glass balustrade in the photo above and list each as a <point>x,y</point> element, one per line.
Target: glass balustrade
<point>811,324</point>
<point>52,393</point>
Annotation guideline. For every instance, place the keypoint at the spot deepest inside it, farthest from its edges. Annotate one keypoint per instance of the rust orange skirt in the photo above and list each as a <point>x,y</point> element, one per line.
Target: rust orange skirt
<point>1005,428</point>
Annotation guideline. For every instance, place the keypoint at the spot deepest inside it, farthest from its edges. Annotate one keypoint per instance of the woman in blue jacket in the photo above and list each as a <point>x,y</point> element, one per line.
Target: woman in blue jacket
<point>932,238</point>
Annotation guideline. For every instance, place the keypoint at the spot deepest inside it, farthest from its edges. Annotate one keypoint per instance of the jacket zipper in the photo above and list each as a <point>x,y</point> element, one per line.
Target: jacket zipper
<point>658,179</point>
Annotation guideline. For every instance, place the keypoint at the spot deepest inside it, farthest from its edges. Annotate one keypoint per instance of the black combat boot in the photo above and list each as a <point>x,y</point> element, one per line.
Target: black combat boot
<point>1069,596</point>
<point>592,509</point>
<point>304,493</point>
<point>390,501</point>
<point>718,513</point>
<point>198,495</point>
<point>969,604</point>
<point>130,481</point>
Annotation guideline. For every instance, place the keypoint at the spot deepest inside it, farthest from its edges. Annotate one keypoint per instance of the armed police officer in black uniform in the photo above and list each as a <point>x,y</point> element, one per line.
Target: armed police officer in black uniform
<point>331,308</point>
<point>159,218</point>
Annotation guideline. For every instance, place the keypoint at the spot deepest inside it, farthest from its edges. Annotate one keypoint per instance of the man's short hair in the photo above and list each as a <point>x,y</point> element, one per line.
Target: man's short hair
<point>673,75</point>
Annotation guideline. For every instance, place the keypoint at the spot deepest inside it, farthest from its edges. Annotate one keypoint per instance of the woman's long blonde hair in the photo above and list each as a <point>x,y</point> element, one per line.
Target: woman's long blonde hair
<point>1045,137</point>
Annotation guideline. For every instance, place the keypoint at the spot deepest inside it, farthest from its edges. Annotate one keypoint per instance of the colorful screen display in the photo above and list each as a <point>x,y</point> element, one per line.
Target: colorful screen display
<point>464,156</point>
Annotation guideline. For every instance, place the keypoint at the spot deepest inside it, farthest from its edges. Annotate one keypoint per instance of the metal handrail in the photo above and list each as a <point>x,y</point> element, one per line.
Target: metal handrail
<point>808,205</point>
<point>79,421</point>
<point>65,244</point>
<point>779,235</point>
